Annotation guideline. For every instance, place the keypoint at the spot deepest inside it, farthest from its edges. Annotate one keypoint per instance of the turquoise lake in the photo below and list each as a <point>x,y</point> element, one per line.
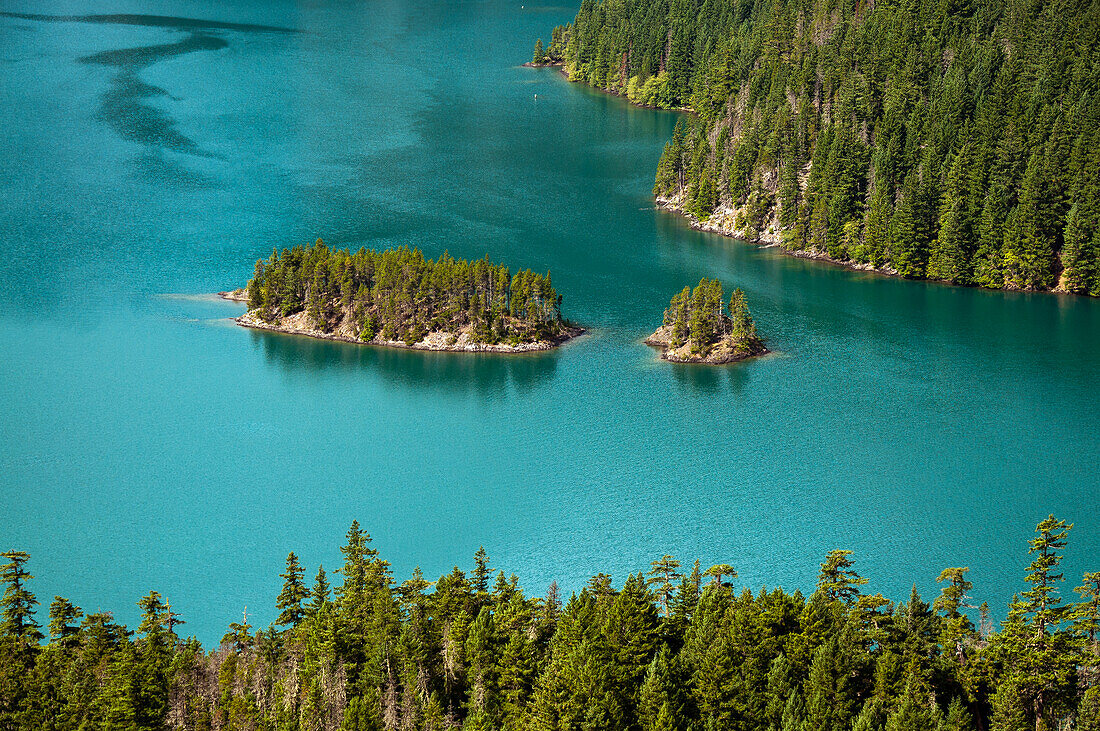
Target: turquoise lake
<point>147,161</point>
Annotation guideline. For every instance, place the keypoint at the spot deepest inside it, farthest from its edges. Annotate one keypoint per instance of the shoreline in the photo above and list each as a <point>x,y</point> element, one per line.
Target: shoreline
<point>561,70</point>
<point>433,342</point>
<point>719,356</point>
<point>770,239</point>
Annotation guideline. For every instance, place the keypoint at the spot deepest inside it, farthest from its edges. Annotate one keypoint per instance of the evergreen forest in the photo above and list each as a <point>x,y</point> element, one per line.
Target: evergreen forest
<point>671,648</point>
<point>698,319</point>
<point>397,294</point>
<point>955,140</point>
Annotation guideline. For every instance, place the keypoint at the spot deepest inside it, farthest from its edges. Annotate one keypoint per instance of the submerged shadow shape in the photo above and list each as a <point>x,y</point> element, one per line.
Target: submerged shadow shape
<point>152,21</point>
<point>711,380</point>
<point>482,374</point>
<point>124,108</point>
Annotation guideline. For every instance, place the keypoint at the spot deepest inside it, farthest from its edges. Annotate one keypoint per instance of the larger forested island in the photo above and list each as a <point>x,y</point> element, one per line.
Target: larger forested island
<point>398,298</point>
<point>956,140</point>
<point>670,649</point>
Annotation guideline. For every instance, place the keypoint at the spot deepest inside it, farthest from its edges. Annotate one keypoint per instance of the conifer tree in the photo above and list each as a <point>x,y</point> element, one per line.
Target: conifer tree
<point>319,595</point>
<point>1086,622</point>
<point>663,575</point>
<point>63,617</point>
<point>294,592</point>
<point>718,570</point>
<point>953,598</point>
<point>481,572</point>
<point>1047,667</point>
<point>837,579</point>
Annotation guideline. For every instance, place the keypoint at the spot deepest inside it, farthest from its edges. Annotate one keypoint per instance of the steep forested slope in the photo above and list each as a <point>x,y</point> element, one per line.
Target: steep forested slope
<point>955,140</point>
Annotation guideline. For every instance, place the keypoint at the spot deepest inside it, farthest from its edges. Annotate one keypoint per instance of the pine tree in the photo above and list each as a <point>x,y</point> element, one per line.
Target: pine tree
<point>1027,251</point>
<point>1046,664</point>
<point>18,602</point>
<point>837,579</point>
<point>1086,623</point>
<point>294,592</point>
<point>953,598</point>
<point>481,572</point>
<point>718,570</point>
<point>663,576</point>
<point>952,248</point>
<point>958,718</point>
<point>661,700</point>
<point>828,703</point>
<point>906,250</point>
<point>319,596</point>
<point>63,617</point>
<point>631,636</point>
<point>780,684</point>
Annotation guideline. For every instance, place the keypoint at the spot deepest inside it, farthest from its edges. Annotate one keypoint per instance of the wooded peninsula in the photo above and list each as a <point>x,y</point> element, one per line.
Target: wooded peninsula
<point>696,328</point>
<point>398,298</point>
<point>956,141</point>
<point>670,649</point>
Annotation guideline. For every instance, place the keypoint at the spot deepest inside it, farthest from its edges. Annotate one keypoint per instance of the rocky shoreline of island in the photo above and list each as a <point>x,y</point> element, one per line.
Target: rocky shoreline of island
<point>724,352</point>
<point>697,329</point>
<point>724,223</point>
<point>398,299</point>
<point>439,341</point>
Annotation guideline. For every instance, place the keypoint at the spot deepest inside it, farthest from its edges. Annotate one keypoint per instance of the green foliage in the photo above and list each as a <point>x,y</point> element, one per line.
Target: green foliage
<point>956,141</point>
<point>465,655</point>
<point>293,594</point>
<point>698,317</point>
<point>838,580</point>
<point>399,295</point>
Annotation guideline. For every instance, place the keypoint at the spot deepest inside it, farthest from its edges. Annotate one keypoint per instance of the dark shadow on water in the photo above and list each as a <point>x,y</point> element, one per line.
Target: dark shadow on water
<point>124,106</point>
<point>152,21</point>
<point>711,380</point>
<point>142,56</point>
<point>483,374</point>
<point>154,167</point>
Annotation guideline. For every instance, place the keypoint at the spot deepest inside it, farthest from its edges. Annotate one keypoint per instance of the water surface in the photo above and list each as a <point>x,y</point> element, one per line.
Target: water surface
<point>152,152</point>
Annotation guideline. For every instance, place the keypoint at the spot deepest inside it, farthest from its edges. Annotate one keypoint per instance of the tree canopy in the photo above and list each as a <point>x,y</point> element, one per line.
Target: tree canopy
<point>663,652</point>
<point>957,140</point>
<point>397,294</point>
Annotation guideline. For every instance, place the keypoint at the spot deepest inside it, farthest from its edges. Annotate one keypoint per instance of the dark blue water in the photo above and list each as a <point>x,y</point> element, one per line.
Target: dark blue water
<point>147,443</point>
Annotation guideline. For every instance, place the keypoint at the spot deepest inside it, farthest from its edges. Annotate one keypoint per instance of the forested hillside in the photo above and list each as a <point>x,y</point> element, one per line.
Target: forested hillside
<point>397,294</point>
<point>673,648</point>
<point>956,140</point>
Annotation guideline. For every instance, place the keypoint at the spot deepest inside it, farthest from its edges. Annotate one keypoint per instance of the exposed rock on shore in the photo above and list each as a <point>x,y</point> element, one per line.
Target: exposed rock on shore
<point>237,295</point>
<point>299,324</point>
<point>727,350</point>
<point>724,222</point>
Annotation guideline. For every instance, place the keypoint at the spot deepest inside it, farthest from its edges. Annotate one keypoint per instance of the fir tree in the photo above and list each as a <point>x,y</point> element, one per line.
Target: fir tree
<point>294,592</point>
<point>837,579</point>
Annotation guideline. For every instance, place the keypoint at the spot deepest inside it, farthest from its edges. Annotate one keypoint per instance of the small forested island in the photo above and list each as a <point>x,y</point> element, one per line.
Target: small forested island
<point>953,141</point>
<point>398,298</point>
<point>696,328</point>
<point>667,650</point>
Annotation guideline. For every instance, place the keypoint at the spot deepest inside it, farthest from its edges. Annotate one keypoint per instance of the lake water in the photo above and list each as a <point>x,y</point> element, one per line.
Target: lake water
<point>148,443</point>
